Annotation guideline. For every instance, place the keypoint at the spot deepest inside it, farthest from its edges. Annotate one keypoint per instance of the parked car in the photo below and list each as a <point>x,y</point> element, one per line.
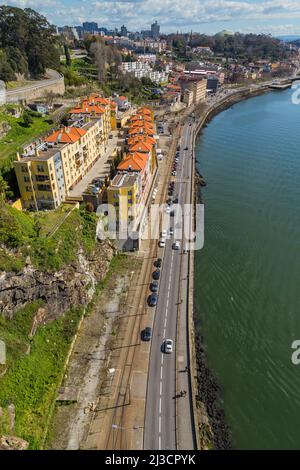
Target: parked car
<point>162,242</point>
<point>175,201</point>
<point>168,209</point>
<point>146,334</point>
<point>158,263</point>
<point>156,274</point>
<point>152,300</point>
<point>176,245</point>
<point>174,172</point>
<point>186,148</point>
<point>163,234</point>
<point>154,286</point>
<point>171,231</point>
<point>167,346</point>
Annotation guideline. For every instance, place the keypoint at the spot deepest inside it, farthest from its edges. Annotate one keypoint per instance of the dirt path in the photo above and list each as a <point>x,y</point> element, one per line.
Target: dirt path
<point>87,373</point>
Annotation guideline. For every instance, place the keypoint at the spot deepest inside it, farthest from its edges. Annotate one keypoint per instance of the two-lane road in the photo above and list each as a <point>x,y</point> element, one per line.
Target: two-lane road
<point>160,419</point>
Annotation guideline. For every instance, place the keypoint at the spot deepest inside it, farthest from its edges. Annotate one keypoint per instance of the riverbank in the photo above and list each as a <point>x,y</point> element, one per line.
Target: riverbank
<point>213,429</point>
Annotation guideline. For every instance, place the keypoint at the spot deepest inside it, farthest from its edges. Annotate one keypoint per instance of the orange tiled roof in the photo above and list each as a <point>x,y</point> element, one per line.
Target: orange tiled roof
<point>144,110</point>
<point>141,125</point>
<point>140,131</point>
<point>141,138</point>
<point>113,104</point>
<point>140,117</point>
<point>66,135</point>
<point>135,161</point>
<point>141,147</point>
<point>87,108</point>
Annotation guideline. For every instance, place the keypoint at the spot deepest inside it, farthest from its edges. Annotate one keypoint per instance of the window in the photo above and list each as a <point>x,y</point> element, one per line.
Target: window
<point>24,169</point>
<point>26,179</point>
<point>40,168</point>
<point>129,193</point>
<point>115,195</point>
<point>28,189</point>
<point>129,201</point>
<point>44,187</point>
<point>41,178</point>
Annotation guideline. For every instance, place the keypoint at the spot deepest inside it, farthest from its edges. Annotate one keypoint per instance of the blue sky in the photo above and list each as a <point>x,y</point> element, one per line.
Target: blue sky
<point>276,17</point>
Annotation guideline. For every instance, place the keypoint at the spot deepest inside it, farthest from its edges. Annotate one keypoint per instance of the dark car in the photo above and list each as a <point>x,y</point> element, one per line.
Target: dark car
<point>158,262</point>
<point>146,334</point>
<point>176,200</point>
<point>186,148</point>
<point>152,300</point>
<point>154,286</point>
<point>156,274</point>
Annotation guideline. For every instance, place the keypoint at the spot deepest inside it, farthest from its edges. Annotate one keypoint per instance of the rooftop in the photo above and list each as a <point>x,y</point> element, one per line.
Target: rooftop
<point>123,180</point>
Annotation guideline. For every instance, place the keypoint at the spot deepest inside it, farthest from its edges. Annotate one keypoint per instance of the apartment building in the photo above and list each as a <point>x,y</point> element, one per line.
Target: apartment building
<point>198,88</point>
<point>134,180</point>
<point>49,169</point>
<point>123,198</point>
<point>97,107</point>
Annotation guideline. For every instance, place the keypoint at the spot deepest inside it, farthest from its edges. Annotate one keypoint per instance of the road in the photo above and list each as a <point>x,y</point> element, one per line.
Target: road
<point>160,420</point>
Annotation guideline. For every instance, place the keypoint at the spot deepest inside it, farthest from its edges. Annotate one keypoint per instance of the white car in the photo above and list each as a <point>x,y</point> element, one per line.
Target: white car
<point>174,173</point>
<point>167,346</point>
<point>171,231</point>
<point>168,209</point>
<point>176,245</point>
<point>162,242</point>
<point>163,234</point>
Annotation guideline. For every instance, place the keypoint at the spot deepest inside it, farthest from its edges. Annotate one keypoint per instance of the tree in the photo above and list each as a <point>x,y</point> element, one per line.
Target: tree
<point>27,119</point>
<point>68,56</point>
<point>3,188</point>
<point>28,41</point>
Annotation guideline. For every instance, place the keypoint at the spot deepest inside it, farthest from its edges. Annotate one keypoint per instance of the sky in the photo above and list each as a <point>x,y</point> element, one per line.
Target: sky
<point>274,17</point>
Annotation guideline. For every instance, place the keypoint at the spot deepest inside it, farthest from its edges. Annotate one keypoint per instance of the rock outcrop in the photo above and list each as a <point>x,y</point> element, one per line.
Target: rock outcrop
<point>71,286</point>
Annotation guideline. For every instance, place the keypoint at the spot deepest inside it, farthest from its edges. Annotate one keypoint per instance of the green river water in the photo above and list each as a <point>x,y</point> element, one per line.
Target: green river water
<point>248,273</point>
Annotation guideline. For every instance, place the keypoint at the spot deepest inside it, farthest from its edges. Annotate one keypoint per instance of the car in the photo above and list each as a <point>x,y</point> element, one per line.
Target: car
<point>156,274</point>
<point>186,148</point>
<point>170,192</point>
<point>146,334</point>
<point>110,136</point>
<point>154,286</point>
<point>158,263</point>
<point>168,209</point>
<point>167,346</point>
<point>176,160</point>
<point>175,201</point>
<point>169,201</point>
<point>163,234</point>
<point>162,242</point>
<point>176,245</point>
<point>171,231</point>
<point>152,300</point>
<point>174,172</point>
<point>178,148</point>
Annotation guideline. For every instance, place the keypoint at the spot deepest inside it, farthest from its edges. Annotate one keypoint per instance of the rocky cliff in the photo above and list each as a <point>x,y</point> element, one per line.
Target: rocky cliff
<point>72,285</point>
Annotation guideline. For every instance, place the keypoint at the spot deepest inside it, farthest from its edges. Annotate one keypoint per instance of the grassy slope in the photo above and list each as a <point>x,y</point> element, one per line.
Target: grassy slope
<point>31,380</point>
<point>26,234</point>
<point>19,135</point>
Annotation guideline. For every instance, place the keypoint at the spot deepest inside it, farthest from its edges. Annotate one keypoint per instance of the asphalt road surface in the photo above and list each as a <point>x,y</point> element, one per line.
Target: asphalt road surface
<point>160,420</point>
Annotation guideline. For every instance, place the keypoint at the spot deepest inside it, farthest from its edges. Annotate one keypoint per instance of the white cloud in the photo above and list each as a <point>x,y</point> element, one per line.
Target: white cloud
<point>171,14</point>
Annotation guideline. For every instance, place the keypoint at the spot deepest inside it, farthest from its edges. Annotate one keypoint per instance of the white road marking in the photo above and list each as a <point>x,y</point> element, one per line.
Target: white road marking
<point>160,388</point>
<point>159,424</point>
<point>159,442</point>
<point>161,373</point>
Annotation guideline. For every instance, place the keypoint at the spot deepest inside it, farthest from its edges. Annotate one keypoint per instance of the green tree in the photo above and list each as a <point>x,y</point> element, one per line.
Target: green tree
<point>68,55</point>
<point>3,188</point>
<point>27,119</point>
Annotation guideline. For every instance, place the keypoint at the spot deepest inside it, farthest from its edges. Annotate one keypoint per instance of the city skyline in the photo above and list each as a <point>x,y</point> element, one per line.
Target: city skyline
<point>257,16</point>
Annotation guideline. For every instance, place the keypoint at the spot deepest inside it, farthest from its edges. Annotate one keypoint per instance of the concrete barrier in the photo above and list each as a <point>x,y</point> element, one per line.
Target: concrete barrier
<point>54,84</point>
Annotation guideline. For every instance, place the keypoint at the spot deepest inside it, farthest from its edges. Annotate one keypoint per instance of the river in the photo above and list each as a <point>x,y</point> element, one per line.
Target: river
<point>247,279</point>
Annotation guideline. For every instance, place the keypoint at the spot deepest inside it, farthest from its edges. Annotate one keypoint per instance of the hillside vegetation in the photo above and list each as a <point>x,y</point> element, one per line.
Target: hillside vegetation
<point>27,44</point>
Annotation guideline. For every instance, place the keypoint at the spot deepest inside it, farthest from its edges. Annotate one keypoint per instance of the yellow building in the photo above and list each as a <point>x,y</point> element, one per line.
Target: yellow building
<point>123,199</point>
<point>48,170</point>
